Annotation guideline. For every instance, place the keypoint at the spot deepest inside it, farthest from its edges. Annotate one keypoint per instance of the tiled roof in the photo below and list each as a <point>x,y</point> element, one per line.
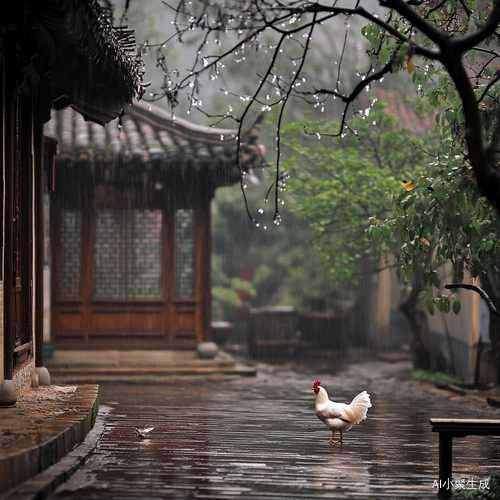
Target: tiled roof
<point>150,141</point>
<point>92,63</point>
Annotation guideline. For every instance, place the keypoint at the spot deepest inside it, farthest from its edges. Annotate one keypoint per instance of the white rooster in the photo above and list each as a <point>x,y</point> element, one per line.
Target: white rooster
<point>340,416</point>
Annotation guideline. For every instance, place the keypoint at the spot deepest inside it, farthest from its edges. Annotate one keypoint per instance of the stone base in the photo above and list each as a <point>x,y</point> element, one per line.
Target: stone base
<point>8,396</point>
<point>43,375</point>
<point>207,350</point>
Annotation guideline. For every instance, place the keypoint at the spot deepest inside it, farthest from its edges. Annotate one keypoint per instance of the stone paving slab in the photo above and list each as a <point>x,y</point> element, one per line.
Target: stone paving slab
<point>48,422</point>
<point>258,438</point>
<point>44,483</point>
<point>42,428</point>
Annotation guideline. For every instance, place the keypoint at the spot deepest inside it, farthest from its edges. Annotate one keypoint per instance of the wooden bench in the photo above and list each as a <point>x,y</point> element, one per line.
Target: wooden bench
<point>449,428</point>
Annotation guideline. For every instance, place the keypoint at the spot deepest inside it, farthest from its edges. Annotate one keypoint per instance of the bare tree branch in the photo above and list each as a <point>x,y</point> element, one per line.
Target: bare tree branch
<point>478,290</point>
<point>416,32</point>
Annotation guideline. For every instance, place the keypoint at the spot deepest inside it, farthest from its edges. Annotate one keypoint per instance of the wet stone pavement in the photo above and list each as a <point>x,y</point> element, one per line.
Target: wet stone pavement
<point>258,438</point>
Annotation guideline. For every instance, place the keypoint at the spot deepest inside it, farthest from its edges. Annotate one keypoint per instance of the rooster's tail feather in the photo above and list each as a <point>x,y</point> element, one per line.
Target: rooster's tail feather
<point>358,408</point>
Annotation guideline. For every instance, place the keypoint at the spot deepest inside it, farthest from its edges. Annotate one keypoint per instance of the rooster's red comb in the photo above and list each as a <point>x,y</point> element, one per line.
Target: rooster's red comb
<point>316,384</point>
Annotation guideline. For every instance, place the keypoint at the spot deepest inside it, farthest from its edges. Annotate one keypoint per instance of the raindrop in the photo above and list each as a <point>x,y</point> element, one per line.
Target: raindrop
<point>260,210</point>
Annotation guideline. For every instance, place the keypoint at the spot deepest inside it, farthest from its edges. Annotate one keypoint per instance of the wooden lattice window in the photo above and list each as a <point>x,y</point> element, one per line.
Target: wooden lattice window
<point>127,254</point>
<point>184,253</point>
<point>71,231</point>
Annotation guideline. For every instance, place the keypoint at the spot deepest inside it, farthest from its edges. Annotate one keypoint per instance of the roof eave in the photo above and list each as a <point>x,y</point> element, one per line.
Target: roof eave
<point>91,67</point>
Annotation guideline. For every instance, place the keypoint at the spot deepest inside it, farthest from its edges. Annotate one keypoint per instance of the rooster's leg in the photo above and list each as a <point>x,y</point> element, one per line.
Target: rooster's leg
<point>331,440</point>
<point>341,437</point>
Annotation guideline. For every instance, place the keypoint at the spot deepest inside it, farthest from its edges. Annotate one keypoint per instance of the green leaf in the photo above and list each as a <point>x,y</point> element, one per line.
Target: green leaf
<point>436,281</point>
<point>443,304</point>
<point>430,308</point>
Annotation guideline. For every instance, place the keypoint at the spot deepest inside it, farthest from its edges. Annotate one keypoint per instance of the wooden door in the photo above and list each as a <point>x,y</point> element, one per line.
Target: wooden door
<point>130,278</point>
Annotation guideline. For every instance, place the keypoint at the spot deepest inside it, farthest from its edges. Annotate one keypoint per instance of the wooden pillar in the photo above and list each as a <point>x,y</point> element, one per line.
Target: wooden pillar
<point>47,157</point>
<point>445,464</point>
<point>204,250</point>
<point>38,272</point>
<point>9,217</point>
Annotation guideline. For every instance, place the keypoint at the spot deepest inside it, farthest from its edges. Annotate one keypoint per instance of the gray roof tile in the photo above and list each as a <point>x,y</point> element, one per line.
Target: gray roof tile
<point>150,140</point>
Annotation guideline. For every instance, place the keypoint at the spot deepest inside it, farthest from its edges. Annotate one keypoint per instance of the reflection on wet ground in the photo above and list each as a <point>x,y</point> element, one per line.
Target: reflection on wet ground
<point>259,438</point>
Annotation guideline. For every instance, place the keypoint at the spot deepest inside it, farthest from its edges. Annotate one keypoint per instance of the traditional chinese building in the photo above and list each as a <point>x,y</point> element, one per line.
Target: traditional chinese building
<point>130,227</point>
<point>53,54</point>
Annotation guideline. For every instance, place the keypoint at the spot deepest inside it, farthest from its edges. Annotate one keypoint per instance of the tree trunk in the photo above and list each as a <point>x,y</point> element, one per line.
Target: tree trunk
<point>426,352</point>
<point>491,285</point>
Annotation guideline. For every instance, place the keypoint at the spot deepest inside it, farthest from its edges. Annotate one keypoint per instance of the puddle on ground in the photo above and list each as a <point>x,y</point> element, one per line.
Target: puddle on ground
<point>260,439</point>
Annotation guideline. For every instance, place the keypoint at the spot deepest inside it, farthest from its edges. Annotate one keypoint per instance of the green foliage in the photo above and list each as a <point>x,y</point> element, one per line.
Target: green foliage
<point>491,492</point>
<point>225,290</point>
<point>341,184</point>
<point>427,376</point>
<point>280,264</point>
<point>443,218</point>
